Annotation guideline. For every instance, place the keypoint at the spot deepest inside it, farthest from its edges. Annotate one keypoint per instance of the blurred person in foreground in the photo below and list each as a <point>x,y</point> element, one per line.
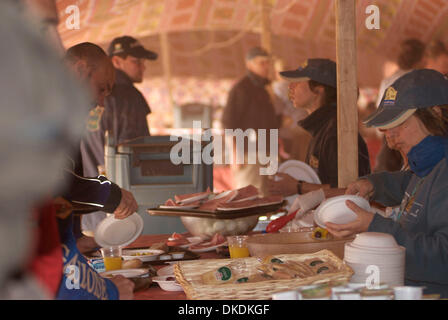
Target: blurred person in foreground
<point>250,106</point>
<point>41,116</point>
<point>313,87</point>
<point>123,114</point>
<point>414,113</point>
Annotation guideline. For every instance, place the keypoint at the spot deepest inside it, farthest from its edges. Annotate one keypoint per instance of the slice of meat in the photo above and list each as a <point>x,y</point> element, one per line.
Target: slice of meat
<point>212,204</point>
<point>184,198</point>
<point>247,192</point>
<point>218,239</point>
<point>251,203</point>
<point>171,203</point>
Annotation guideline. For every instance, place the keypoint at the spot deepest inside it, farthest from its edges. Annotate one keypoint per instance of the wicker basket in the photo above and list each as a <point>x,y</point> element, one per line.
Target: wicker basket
<point>188,275</point>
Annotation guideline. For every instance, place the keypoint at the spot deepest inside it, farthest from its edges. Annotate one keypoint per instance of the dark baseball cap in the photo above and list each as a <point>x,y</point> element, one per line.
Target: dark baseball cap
<point>130,46</point>
<point>417,89</point>
<point>320,70</point>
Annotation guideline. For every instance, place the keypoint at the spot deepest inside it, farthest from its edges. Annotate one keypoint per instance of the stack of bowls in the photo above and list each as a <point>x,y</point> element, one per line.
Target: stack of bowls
<point>375,256</point>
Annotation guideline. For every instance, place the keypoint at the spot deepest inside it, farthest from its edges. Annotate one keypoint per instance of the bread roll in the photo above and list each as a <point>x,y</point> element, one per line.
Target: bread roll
<point>131,264</point>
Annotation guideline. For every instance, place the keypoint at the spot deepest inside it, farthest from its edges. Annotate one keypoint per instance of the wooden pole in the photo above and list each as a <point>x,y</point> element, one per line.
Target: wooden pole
<point>266,34</point>
<point>165,50</point>
<point>347,92</point>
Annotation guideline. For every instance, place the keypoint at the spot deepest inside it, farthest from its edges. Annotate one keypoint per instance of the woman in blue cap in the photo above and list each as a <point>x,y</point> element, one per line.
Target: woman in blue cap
<point>414,112</point>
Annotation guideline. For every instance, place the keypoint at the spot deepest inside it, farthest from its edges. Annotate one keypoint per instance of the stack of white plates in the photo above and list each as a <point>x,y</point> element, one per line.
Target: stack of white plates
<point>375,256</point>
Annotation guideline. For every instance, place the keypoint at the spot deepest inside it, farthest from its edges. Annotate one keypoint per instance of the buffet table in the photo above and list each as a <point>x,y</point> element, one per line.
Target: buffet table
<point>154,292</point>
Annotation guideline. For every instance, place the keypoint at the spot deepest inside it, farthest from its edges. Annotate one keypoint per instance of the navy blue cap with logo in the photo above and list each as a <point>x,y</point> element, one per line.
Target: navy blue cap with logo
<point>129,46</point>
<point>417,89</point>
<point>322,71</point>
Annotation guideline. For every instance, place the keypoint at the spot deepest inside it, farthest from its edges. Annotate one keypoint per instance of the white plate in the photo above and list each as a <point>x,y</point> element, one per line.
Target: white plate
<point>335,210</point>
<point>299,170</point>
<point>166,285</point>
<point>192,241</point>
<point>208,248</point>
<point>127,254</point>
<point>118,232</point>
<point>127,273</point>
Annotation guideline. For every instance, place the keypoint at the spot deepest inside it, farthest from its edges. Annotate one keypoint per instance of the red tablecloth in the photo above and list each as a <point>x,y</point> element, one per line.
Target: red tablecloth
<point>155,292</point>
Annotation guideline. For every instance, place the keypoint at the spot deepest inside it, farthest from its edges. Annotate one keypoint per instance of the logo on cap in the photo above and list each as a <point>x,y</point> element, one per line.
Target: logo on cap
<point>390,96</point>
<point>304,65</point>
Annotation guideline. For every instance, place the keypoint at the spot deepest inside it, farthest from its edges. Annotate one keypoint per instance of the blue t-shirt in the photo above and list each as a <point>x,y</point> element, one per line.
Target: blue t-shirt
<point>79,280</point>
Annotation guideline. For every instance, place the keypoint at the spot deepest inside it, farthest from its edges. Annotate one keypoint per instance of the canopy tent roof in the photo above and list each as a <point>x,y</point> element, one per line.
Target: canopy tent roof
<point>208,38</point>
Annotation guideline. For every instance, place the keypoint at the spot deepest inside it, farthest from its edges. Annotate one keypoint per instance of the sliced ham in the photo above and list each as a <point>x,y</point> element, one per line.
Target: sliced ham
<point>212,204</point>
<point>247,192</point>
<point>188,198</point>
<point>251,203</point>
<point>171,203</point>
<point>217,239</point>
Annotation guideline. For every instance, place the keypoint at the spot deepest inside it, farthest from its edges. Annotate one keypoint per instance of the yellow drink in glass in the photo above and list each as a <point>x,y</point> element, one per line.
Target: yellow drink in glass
<point>112,263</point>
<point>238,252</point>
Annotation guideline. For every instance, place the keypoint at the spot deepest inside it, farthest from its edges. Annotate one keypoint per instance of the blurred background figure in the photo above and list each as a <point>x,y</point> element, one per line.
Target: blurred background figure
<point>437,57</point>
<point>411,56</point>
<point>40,116</point>
<point>250,106</point>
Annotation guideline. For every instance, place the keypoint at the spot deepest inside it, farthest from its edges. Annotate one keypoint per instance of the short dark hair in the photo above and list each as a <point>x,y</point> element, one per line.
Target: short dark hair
<point>330,93</point>
<point>91,53</point>
<point>412,52</point>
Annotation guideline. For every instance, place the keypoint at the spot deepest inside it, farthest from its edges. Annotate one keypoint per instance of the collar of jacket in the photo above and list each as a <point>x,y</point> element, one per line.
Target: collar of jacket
<point>257,80</point>
<point>122,78</point>
<point>314,121</point>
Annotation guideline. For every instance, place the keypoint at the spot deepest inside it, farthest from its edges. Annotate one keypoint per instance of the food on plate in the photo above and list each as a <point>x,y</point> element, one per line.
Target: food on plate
<point>248,192</point>
<point>319,291</point>
<point>171,203</point>
<point>185,197</point>
<point>159,246</point>
<point>212,205</point>
<point>139,254</point>
<point>320,234</point>
<point>131,264</point>
<point>251,203</point>
<point>177,239</point>
<point>216,240</point>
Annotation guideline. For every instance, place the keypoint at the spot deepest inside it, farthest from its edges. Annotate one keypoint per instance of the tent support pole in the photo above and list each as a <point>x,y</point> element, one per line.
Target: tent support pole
<point>347,92</point>
<point>165,48</point>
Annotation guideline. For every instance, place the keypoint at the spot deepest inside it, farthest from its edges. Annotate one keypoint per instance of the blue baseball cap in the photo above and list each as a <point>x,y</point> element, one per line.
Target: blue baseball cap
<point>417,89</point>
<point>320,70</point>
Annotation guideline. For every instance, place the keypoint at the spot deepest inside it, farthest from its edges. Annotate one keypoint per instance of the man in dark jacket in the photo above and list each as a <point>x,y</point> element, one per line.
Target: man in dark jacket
<point>125,111</point>
<point>250,106</point>
<point>313,87</point>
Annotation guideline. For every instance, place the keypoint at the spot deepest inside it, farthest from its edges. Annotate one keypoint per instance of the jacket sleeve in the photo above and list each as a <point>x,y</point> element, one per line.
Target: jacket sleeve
<point>426,252</point>
<point>95,191</point>
<point>389,187</point>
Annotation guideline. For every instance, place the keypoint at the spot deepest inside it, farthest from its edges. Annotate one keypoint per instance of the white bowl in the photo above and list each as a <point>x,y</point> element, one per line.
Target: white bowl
<point>167,285</point>
<point>166,271</point>
<point>375,240</point>
<point>408,293</point>
<point>336,211</point>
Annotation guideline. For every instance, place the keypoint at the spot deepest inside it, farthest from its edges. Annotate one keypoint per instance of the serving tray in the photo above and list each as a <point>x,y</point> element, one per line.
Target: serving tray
<point>218,214</point>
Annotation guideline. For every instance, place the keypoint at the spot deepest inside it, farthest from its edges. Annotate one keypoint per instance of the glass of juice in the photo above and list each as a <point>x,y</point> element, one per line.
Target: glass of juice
<point>111,257</point>
<point>238,247</point>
